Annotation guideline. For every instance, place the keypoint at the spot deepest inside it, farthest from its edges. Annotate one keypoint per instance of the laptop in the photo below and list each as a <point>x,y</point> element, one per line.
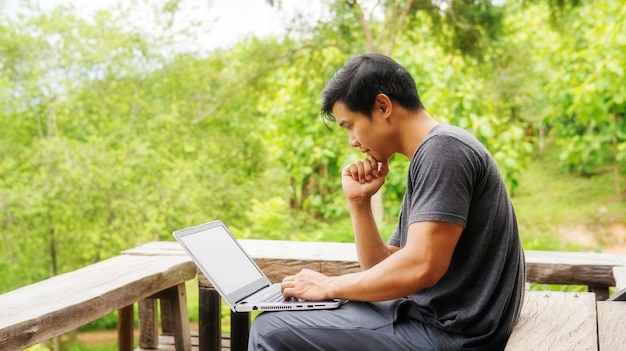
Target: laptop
<point>234,274</point>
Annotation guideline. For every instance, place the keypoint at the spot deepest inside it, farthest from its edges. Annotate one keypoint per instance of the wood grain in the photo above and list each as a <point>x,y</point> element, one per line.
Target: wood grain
<point>612,325</point>
<point>52,307</point>
<point>556,321</point>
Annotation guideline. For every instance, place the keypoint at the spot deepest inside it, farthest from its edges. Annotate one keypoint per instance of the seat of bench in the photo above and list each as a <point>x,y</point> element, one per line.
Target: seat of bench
<point>43,310</point>
<point>611,325</point>
<point>556,321</point>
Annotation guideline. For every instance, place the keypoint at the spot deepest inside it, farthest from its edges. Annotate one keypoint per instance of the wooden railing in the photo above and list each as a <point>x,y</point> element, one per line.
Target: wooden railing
<point>41,311</point>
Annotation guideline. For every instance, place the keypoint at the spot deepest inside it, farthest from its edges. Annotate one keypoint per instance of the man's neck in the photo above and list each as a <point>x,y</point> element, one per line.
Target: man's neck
<point>414,130</point>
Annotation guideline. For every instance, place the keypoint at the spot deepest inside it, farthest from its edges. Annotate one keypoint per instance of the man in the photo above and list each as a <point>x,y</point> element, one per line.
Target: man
<point>451,277</point>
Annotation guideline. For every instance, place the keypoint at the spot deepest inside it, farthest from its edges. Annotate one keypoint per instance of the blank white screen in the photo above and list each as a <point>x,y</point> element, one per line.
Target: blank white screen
<point>222,259</point>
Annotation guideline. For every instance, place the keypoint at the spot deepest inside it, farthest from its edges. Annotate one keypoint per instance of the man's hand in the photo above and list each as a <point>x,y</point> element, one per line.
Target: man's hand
<point>362,179</point>
<point>308,285</point>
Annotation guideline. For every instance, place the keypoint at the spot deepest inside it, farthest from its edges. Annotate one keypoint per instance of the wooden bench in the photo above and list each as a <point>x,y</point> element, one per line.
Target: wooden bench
<point>543,316</point>
<point>549,320</point>
<point>41,311</point>
<point>556,321</point>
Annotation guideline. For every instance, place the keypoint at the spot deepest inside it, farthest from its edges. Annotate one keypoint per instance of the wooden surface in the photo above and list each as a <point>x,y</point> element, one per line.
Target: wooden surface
<point>52,307</point>
<point>612,325</point>
<point>173,312</point>
<point>556,321</point>
<point>585,268</point>
<point>279,258</point>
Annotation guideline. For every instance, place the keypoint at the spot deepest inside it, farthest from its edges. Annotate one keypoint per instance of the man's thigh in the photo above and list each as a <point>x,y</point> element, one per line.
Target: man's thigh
<point>354,326</point>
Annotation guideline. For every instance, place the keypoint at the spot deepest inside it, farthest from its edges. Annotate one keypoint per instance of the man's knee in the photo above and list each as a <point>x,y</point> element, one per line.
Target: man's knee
<point>266,322</point>
<point>266,331</point>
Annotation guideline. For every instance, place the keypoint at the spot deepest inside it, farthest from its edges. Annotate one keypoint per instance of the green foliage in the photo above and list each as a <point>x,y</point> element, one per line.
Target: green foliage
<point>467,26</point>
<point>586,85</point>
<point>556,287</point>
<point>93,348</point>
<point>270,219</point>
<point>103,151</point>
<point>108,322</point>
<point>564,212</point>
<point>37,348</point>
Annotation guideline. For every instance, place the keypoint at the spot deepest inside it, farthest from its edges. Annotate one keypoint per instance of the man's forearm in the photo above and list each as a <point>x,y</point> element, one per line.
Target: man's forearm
<point>370,247</point>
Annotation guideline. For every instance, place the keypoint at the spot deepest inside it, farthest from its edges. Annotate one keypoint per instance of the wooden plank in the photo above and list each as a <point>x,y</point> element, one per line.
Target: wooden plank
<point>240,330</point>
<point>209,315</point>
<point>55,306</point>
<point>174,304</point>
<point>612,325</point>
<point>556,321</point>
<point>584,268</point>
<point>148,323</point>
<point>125,328</point>
<point>156,248</point>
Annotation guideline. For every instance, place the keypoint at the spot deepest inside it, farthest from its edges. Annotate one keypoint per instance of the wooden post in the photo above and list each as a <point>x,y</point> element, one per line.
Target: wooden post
<point>167,324</point>
<point>209,328</point>
<point>148,324</point>
<point>239,330</point>
<point>174,309</point>
<point>125,328</point>
<point>602,292</point>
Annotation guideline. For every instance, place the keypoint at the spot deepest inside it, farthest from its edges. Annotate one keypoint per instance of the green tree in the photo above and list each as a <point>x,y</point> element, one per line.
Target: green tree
<point>584,59</point>
<point>108,143</point>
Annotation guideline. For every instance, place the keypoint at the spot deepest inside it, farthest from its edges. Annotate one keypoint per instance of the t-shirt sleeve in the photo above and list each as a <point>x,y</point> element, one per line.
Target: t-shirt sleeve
<point>442,179</point>
<point>394,239</point>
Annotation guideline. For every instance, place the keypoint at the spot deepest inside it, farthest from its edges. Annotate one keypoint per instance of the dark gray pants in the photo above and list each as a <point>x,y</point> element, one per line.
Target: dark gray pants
<point>391,325</point>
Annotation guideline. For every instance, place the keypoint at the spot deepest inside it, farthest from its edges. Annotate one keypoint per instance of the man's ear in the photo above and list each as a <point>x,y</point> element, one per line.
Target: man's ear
<point>383,105</point>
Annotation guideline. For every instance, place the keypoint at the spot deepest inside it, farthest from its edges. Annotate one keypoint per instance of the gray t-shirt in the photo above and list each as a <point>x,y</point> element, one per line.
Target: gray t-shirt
<point>453,178</point>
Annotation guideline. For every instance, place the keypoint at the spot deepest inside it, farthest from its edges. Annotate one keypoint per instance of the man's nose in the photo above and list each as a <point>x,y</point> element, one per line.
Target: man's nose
<point>354,142</point>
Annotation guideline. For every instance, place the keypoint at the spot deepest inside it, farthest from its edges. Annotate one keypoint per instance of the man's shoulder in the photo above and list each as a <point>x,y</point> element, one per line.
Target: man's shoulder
<point>451,131</point>
<point>447,135</point>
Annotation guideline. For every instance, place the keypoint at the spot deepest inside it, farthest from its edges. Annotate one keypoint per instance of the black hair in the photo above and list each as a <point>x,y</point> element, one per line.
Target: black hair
<point>362,78</point>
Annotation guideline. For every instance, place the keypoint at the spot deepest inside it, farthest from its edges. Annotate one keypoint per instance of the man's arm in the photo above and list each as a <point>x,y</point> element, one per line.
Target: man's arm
<point>360,181</point>
<point>421,263</point>
<point>370,247</point>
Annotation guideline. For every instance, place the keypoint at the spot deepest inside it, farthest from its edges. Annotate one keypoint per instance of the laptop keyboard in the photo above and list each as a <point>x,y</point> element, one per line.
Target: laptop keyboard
<point>275,297</point>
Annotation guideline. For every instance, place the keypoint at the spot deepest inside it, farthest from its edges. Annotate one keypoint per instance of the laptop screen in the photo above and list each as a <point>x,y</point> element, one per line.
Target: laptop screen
<point>220,257</point>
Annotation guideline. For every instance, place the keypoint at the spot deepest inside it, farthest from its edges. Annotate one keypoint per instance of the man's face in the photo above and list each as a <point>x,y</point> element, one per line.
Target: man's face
<point>369,135</point>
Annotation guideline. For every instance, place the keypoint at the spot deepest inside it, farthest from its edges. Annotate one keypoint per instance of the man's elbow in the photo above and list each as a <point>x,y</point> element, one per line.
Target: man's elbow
<point>429,277</point>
